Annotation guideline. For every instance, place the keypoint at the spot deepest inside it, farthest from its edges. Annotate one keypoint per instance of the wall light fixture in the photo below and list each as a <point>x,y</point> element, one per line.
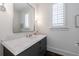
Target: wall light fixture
<point>2,7</point>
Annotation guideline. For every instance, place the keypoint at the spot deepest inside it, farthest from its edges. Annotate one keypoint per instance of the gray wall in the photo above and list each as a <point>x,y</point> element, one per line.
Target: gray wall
<point>62,42</point>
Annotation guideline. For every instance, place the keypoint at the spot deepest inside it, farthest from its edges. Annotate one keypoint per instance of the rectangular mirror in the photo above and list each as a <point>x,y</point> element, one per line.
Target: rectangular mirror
<point>24,17</point>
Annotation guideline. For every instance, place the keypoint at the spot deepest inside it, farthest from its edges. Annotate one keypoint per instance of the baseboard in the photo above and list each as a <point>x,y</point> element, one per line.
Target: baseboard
<point>61,51</point>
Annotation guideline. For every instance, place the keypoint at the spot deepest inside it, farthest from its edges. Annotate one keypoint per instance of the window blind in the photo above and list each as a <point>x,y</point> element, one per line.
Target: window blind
<point>58,14</point>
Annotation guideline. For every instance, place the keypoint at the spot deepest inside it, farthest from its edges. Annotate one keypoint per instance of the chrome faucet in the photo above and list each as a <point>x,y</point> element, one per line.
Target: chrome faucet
<point>28,34</point>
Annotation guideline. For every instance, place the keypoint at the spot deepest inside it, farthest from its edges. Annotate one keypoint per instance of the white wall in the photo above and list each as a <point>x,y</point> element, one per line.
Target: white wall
<point>6,25</point>
<point>62,42</point>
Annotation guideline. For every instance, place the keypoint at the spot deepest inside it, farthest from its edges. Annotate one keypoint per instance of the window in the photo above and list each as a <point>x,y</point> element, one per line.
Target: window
<point>26,23</point>
<point>58,18</point>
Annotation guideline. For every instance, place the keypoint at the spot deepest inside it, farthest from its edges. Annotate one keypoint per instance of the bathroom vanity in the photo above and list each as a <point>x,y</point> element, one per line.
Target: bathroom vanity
<point>33,46</point>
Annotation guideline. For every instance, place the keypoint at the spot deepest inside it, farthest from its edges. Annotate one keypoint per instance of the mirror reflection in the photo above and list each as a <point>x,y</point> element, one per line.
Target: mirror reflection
<point>24,16</point>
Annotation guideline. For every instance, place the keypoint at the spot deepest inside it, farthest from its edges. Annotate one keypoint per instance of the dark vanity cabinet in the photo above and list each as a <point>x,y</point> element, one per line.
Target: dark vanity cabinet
<point>38,49</point>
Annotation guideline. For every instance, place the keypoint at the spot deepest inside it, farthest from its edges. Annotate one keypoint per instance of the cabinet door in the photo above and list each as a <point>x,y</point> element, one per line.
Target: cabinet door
<point>43,46</point>
<point>32,51</point>
<point>6,52</point>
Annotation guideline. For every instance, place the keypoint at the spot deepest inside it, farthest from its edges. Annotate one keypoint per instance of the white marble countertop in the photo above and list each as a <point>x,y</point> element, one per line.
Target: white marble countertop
<point>18,45</point>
